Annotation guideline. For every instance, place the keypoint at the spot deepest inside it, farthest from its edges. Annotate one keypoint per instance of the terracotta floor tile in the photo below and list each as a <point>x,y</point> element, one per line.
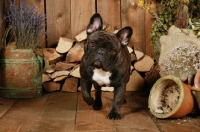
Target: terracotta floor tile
<point>60,105</point>
<point>131,101</point>
<point>5,104</point>
<point>136,118</point>
<point>21,116</point>
<point>142,98</point>
<point>185,119</point>
<point>53,125</point>
<point>92,120</point>
<point>176,127</point>
<point>132,129</point>
<point>196,121</point>
<point>58,113</point>
<point>67,112</point>
<point>81,103</point>
<point>18,123</point>
<point>62,100</point>
<point>32,102</point>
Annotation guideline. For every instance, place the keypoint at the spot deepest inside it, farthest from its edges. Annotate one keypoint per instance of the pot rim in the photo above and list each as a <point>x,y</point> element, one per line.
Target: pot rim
<point>154,88</point>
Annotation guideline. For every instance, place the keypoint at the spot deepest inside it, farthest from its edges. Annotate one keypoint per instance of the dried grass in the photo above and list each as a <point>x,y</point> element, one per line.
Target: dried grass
<point>183,57</point>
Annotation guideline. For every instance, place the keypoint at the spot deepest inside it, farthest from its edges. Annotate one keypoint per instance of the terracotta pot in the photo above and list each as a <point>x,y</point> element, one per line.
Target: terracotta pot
<point>170,98</point>
<point>196,87</point>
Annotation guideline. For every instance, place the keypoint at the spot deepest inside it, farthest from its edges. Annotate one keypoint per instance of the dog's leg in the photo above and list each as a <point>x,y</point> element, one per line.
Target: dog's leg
<point>86,89</point>
<point>97,102</point>
<point>119,98</point>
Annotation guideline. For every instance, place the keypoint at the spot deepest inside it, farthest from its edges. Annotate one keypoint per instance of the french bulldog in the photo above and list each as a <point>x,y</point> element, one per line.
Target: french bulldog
<point>106,62</point>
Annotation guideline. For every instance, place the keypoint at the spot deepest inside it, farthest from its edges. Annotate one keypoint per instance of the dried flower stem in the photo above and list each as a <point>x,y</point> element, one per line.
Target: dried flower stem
<point>153,13</point>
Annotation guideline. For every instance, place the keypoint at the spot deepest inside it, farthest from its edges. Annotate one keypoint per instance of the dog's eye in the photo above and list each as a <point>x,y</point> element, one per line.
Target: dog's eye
<point>92,44</point>
<point>113,52</point>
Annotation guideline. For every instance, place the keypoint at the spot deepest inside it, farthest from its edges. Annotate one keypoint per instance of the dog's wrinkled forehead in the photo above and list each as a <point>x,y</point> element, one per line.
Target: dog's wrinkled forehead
<point>104,37</point>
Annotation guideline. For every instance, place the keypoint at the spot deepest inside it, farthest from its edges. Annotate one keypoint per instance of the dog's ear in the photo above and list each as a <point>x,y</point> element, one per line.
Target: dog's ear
<point>95,24</point>
<point>124,35</point>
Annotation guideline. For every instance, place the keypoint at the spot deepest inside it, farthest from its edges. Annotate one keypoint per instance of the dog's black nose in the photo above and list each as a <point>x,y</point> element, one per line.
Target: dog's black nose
<point>101,52</point>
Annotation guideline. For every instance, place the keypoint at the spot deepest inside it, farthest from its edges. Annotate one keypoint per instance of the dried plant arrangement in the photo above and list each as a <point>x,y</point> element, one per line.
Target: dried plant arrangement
<point>26,24</point>
<point>182,58</point>
<point>164,18</point>
<point>168,13</point>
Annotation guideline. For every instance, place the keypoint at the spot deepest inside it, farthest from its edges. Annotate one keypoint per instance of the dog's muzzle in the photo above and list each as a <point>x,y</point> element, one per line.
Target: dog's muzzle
<point>97,63</point>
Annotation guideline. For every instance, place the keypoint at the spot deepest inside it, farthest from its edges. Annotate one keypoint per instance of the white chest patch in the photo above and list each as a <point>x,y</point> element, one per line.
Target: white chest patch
<point>101,77</point>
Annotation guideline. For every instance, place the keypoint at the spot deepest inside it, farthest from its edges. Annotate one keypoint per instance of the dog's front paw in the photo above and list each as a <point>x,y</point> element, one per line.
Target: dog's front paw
<point>114,116</point>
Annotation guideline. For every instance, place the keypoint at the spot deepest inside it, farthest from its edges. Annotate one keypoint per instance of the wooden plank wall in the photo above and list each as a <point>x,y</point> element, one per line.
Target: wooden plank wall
<point>67,18</point>
<point>134,17</point>
<point>58,20</point>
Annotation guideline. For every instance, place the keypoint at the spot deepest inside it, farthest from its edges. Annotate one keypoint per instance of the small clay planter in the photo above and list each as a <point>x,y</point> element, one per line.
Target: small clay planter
<point>170,98</point>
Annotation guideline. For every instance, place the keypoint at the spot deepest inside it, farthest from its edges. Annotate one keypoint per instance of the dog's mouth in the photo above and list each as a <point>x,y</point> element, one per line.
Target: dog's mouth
<point>99,62</point>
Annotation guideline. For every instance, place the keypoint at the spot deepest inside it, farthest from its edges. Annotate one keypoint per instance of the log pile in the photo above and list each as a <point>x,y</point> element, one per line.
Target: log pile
<point>64,61</point>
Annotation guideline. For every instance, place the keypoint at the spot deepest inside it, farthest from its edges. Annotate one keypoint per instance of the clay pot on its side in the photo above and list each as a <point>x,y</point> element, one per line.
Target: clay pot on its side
<point>170,98</point>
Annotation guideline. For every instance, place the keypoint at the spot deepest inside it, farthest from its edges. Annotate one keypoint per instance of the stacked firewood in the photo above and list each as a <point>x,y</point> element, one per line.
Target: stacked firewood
<point>64,63</point>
